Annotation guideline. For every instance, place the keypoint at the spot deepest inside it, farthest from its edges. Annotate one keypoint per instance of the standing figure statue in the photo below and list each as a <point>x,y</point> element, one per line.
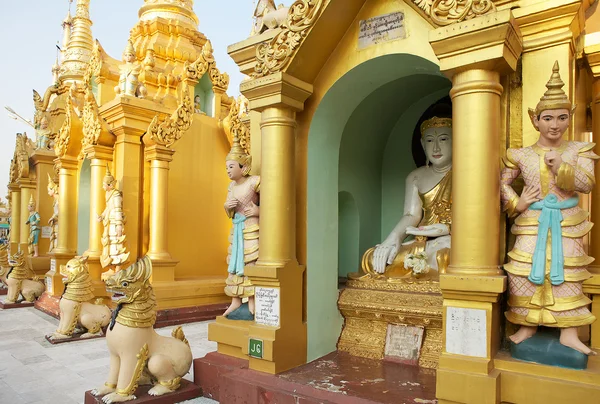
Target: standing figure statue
<point>53,221</point>
<point>43,135</point>
<point>129,75</point>
<point>548,263</point>
<point>242,207</point>
<point>427,214</point>
<point>114,252</point>
<point>34,228</point>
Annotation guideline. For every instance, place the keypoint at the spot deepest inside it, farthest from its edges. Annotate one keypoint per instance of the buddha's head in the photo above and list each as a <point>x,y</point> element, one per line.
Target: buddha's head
<point>552,116</point>
<point>436,139</point>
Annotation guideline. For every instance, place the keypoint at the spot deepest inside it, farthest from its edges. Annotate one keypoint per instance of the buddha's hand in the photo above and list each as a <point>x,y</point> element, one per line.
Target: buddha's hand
<point>384,255</point>
<point>434,230</point>
<point>530,195</point>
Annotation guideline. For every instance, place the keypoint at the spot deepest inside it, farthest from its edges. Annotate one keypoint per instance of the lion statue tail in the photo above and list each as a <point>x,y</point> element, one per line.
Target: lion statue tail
<point>178,333</point>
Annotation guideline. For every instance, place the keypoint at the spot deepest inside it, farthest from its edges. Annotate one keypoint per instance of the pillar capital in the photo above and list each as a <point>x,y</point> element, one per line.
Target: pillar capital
<point>490,42</point>
<point>26,183</point>
<point>158,152</point>
<point>127,115</point>
<point>549,23</point>
<point>67,162</point>
<point>97,152</point>
<point>43,156</point>
<point>276,90</point>
<point>14,187</point>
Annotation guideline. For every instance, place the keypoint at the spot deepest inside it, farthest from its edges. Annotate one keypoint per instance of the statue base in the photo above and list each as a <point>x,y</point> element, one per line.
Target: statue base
<point>396,320</point>
<point>39,265</point>
<point>3,291</point>
<point>187,391</point>
<point>49,304</point>
<point>241,313</point>
<point>8,306</point>
<point>334,378</point>
<point>545,348</point>
<point>74,337</point>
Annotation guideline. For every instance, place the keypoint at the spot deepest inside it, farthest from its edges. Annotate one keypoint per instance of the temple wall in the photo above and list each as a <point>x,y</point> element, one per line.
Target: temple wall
<point>198,226</point>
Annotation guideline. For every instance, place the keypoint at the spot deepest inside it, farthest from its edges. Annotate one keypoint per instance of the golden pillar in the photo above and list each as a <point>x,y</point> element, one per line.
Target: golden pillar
<point>43,165</point>
<point>100,157</point>
<point>15,217</point>
<point>592,286</point>
<point>474,54</point>
<point>67,222</point>
<point>163,265</point>
<point>277,271</point>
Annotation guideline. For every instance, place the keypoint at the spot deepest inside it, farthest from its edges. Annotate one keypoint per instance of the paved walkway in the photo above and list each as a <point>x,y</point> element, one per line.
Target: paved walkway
<point>34,371</point>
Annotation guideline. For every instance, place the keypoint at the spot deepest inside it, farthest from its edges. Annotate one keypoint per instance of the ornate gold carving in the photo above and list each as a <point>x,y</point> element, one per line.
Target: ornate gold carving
<point>20,162</point>
<point>369,307</point>
<point>142,358</point>
<point>236,128</point>
<point>93,123</point>
<point>61,143</point>
<point>446,12</point>
<point>206,63</point>
<point>169,131</point>
<point>275,55</point>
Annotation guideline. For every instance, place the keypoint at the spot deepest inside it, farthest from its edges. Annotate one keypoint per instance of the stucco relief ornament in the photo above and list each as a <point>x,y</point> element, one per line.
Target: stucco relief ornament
<point>275,55</point>
<point>169,131</point>
<point>64,134</point>
<point>446,12</point>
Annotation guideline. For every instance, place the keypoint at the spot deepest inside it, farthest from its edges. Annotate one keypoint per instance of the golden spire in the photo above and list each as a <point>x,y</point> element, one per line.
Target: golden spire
<point>67,24</point>
<point>81,44</point>
<point>555,97</point>
<point>181,10</point>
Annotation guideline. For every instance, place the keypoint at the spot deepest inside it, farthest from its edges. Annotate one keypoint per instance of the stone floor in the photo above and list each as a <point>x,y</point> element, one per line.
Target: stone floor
<point>34,371</point>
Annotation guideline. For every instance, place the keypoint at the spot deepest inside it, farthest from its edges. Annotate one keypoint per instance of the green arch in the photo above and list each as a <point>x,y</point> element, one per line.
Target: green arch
<point>371,106</point>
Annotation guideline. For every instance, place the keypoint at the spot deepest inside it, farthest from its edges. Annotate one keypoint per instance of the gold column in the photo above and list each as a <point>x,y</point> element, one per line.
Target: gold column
<point>592,286</point>
<point>67,222</point>
<point>43,164</point>
<point>15,217</point>
<point>277,269</point>
<point>474,54</point>
<point>100,157</point>
<point>159,158</point>
<point>27,190</point>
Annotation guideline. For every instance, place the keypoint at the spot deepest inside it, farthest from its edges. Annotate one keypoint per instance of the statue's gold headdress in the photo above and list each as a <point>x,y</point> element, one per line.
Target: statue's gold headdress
<point>52,185</point>
<point>436,122</point>
<point>108,178</point>
<point>31,202</point>
<point>238,154</point>
<point>129,48</point>
<point>555,97</point>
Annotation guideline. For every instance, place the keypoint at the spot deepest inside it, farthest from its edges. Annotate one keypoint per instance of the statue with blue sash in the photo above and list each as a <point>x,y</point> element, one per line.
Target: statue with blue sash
<point>548,263</point>
<point>242,206</point>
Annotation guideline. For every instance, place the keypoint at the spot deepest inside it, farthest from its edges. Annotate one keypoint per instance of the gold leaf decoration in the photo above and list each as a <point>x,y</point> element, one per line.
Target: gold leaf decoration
<point>275,55</point>
<point>206,63</point>
<point>169,131</point>
<point>61,143</point>
<point>234,126</point>
<point>446,12</point>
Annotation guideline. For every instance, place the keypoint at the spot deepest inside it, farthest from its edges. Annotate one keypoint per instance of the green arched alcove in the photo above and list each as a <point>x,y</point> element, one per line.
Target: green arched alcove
<point>359,146</point>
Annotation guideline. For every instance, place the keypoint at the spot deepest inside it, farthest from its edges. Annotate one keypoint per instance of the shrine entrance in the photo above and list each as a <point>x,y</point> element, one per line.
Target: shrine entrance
<point>360,149</point>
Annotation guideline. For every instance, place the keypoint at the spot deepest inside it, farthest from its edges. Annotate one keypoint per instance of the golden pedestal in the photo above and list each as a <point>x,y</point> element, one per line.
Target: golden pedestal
<point>231,336</point>
<point>39,265</point>
<point>54,285</point>
<point>369,306</point>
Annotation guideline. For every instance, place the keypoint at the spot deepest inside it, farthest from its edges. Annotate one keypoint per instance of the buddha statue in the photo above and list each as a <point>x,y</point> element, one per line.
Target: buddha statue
<point>34,228</point>
<point>129,75</point>
<point>548,263</point>
<point>427,214</point>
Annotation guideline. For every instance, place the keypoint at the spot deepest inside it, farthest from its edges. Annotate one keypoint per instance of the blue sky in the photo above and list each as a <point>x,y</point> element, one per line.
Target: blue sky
<point>29,31</point>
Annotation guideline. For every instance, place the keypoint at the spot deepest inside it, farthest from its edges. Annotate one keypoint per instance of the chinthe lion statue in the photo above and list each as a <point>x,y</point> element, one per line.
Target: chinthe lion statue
<point>19,279</point>
<point>138,355</point>
<point>77,309</point>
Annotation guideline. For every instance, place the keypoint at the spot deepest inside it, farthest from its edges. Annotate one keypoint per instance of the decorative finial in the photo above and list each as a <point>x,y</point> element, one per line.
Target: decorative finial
<point>554,97</point>
<point>436,122</point>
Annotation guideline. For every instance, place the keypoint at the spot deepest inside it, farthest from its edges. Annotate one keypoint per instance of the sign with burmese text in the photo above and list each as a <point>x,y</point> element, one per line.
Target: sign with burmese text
<point>466,331</point>
<point>403,343</point>
<point>49,284</point>
<point>267,306</point>
<point>383,28</point>
<point>46,231</point>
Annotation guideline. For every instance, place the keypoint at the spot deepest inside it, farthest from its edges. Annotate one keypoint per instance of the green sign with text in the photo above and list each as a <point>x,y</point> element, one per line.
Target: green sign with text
<point>255,348</point>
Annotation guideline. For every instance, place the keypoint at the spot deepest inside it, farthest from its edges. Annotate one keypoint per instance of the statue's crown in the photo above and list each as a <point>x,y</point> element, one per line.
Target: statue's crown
<point>436,122</point>
<point>554,97</point>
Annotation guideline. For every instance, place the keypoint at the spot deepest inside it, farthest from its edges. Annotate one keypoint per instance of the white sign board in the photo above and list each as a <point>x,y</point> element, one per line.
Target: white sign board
<point>403,343</point>
<point>267,306</point>
<point>46,231</point>
<point>382,28</point>
<point>466,332</point>
<point>53,265</point>
<point>49,284</point>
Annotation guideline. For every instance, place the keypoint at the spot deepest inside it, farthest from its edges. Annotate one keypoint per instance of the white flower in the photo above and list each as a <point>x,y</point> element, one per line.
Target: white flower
<point>417,262</point>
